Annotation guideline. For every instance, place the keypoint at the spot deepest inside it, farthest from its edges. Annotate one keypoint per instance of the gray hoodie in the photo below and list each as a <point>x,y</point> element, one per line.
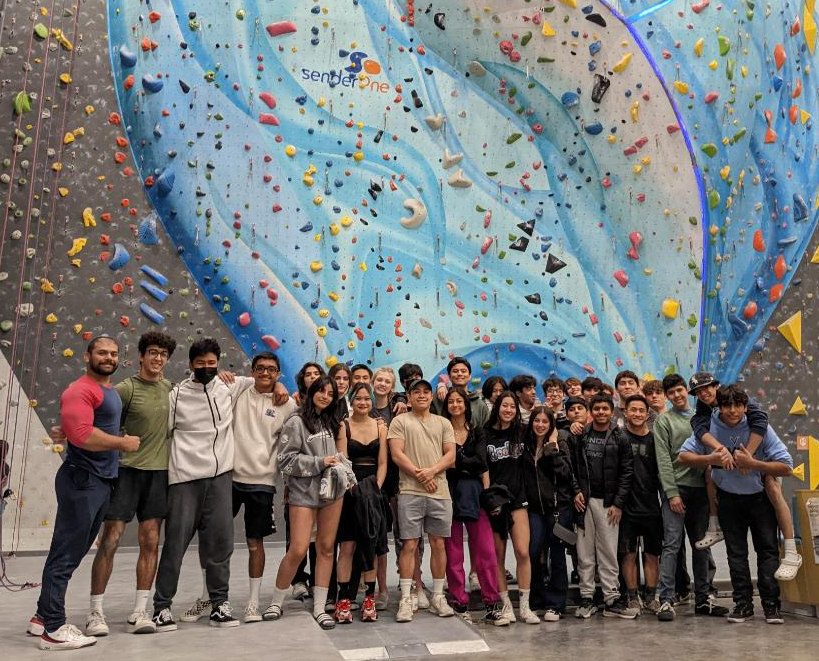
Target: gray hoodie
<point>200,423</point>
<point>301,461</point>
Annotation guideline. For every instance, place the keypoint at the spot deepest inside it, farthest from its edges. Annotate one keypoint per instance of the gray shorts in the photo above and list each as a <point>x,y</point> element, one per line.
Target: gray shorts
<point>421,514</point>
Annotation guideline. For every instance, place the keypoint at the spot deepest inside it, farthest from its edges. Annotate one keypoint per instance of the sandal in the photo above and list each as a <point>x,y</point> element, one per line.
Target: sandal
<point>272,612</point>
<point>325,621</point>
<point>788,567</point>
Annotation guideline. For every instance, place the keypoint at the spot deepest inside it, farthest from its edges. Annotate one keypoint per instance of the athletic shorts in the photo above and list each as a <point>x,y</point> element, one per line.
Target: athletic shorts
<point>421,514</point>
<point>650,528</point>
<point>259,516</point>
<point>143,493</point>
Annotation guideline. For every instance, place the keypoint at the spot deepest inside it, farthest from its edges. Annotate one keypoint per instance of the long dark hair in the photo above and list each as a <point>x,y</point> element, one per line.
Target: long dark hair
<point>313,420</point>
<point>529,440</point>
<point>516,428</point>
<point>458,390</point>
<point>300,376</point>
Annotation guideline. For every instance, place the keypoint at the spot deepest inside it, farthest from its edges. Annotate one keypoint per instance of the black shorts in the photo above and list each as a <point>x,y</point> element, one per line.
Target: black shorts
<point>259,515</point>
<point>650,528</point>
<point>140,492</point>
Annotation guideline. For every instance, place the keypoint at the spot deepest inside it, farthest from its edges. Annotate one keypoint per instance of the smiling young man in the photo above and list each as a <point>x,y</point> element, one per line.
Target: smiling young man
<point>200,467</point>
<point>743,505</point>
<point>459,370</point>
<point>604,466</point>
<point>422,444</point>
<point>90,410</point>
<point>685,504</point>
<point>524,387</point>
<point>141,489</point>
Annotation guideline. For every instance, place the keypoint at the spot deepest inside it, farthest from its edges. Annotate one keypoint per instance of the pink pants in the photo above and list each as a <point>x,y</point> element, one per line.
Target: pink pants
<point>482,550</point>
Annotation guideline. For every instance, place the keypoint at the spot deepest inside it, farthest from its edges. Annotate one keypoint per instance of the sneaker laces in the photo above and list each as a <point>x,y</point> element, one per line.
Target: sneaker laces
<point>74,632</point>
<point>225,609</point>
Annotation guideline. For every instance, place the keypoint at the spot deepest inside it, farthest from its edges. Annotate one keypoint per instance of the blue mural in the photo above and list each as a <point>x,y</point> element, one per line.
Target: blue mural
<point>545,187</point>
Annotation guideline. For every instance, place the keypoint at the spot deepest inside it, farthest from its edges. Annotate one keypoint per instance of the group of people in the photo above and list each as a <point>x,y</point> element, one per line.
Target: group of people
<point>615,477</point>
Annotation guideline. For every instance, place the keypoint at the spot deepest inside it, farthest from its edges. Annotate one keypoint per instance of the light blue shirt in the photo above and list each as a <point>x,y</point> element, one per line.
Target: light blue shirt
<point>771,449</point>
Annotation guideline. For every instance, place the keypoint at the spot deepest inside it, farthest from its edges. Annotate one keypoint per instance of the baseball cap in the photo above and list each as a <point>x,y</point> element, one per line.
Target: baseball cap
<point>419,382</point>
<point>700,380</point>
<point>576,400</point>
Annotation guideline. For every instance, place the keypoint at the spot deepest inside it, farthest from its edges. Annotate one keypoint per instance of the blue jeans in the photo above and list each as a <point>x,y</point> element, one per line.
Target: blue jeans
<point>82,499</point>
<point>694,523</point>
<point>549,594</point>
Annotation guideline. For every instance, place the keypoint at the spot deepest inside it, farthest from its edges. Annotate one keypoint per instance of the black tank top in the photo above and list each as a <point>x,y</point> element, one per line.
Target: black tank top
<point>363,456</point>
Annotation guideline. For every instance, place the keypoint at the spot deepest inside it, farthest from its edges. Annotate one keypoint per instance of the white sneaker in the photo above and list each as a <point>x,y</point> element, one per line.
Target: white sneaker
<point>300,591</point>
<point>140,622</point>
<point>423,600</point>
<point>67,637</point>
<point>405,610</point>
<point>196,611</point>
<point>35,626</point>
<point>474,583</point>
<point>528,615</point>
<point>95,624</point>
<point>252,613</point>
<point>551,615</point>
<point>508,612</point>
<point>711,537</point>
<point>438,606</point>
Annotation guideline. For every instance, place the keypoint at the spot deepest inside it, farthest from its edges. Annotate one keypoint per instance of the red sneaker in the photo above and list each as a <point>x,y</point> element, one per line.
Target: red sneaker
<point>35,626</point>
<point>342,613</point>
<point>368,611</point>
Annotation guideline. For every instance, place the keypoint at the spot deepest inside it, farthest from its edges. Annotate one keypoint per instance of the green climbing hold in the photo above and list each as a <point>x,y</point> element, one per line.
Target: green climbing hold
<point>713,199</point>
<point>21,102</point>
<point>724,45</point>
<point>709,149</point>
<point>6,326</point>
<point>240,14</point>
<point>525,39</point>
<point>40,31</point>
<point>692,220</point>
<point>510,165</point>
<point>513,138</point>
<point>729,68</point>
<point>739,135</point>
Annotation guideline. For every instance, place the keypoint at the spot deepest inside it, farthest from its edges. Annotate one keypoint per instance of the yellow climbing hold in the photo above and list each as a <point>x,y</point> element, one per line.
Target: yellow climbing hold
<point>622,65</point>
<point>57,33</point>
<point>334,229</point>
<point>743,70</point>
<point>333,296</point>
<point>77,328</point>
<point>290,150</point>
<point>65,78</point>
<point>89,109</point>
<point>799,472</point>
<point>324,313</point>
<point>56,449</point>
<point>791,330</point>
<point>321,331</point>
<point>330,361</point>
<point>57,167</point>
<point>570,3</point>
<point>798,407</point>
<point>804,116</point>
<point>681,87</point>
<point>363,266</point>
<point>317,237</point>
<point>321,101</point>
<point>80,130</point>
<point>635,111</point>
<point>725,171</point>
<point>63,191</point>
<point>67,353</point>
<point>51,318</point>
<point>77,245</point>
<point>346,221</point>
<point>359,156</point>
<point>815,258</point>
<point>698,46</point>
<point>548,30</point>
<point>46,286</point>
<point>316,266</point>
<point>351,345</point>
<point>69,138</point>
<point>713,64</point>
<point>670,308</point>
<point>76,263</point>
<point>307,180</point>
<point>88,219</point>
<point>317,200</point>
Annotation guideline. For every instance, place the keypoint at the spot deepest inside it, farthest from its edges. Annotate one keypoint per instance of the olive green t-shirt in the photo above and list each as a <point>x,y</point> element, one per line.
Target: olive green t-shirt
<point>145,414</point>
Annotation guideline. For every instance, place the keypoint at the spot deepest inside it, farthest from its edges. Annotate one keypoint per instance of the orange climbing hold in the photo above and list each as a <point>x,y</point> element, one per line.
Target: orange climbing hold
<point>780,56</point>
<point>793,114</point>
<point>759,241</point>
<point>154,16</point>
<point>770,136</point>
<point>114,118</point>
<point>750,310</point>
<point>797,89</point>
<point>776,293</point>
<point>780,267</point>
<point>129,82</point>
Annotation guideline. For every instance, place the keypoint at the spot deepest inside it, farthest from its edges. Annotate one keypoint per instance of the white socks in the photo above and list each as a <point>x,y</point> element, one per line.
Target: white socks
<point>406,587</point>
<point>205,594</point>
<point>790,546</point>
<point>438,585</point>
<point>319,599</point>
<point>141,601</point>
<point>713,523</point>
<point>524,598</point>
<point>255,587</point>
<point>96,602</point>
<point>505,597</point>
<point>279,595</point>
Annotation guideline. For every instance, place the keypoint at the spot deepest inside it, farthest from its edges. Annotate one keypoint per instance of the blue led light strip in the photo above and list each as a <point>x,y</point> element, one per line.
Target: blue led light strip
<point>647,11</point>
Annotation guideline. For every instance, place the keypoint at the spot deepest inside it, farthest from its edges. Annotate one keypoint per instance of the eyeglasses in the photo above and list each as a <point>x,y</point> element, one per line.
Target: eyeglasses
<point>552,392</point>
<point>266,370</point>
<point>156,353</point>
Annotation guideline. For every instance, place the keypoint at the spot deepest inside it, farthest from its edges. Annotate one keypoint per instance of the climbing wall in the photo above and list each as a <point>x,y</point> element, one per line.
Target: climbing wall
<point>545,187</point>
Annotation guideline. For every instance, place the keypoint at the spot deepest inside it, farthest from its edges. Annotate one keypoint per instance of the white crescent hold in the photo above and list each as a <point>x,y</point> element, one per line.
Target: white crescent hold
<point>419,214</point>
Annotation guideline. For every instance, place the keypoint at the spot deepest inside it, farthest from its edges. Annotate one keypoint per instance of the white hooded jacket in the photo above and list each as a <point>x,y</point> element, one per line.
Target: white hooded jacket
<point>200,427</point>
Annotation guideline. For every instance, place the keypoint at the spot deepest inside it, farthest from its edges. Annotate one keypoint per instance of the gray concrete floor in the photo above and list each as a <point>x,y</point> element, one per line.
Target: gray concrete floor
<point>688,638</point>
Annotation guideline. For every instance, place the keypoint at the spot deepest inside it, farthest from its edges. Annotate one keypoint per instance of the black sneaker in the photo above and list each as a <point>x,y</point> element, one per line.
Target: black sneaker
<point>620,609</point>
<point>222,616</point>
<point>574,578</point>
<point>164,621</point>
<point>773,614</point>
<point>666,612</point>
<point>495,616</point>
<point>711,608</point>
<point>742,611</point>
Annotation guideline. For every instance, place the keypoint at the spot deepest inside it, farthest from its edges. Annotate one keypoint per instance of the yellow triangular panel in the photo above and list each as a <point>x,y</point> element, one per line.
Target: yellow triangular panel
<point>799,472</point>
<point>809,27</point>
<point>798,407</point>
<point>792,331</point>
<point>813,461</point>
<point>815,258</point>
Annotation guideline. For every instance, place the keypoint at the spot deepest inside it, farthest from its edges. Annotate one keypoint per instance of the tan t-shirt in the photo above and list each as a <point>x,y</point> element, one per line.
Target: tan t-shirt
<point>423,444</point>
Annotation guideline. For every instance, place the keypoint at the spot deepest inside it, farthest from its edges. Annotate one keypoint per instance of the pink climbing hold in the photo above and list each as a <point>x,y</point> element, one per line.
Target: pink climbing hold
<point>636,239</point>
<point>272,343</point>
<point>621,277</point>
<point>280,28</point>
<point>268,118</point>
<point>672,128</point>
<point>264,284</point>
<point>711,97</point>
<point>244,319</point>
<point>268,99</point>
<point>506,47</point>
<point>487,218</point>
<point>486,245</point>
<point>700,6</point>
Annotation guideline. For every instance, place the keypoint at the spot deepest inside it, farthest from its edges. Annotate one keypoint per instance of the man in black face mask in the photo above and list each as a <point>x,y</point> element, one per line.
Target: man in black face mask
<point>200,476</point>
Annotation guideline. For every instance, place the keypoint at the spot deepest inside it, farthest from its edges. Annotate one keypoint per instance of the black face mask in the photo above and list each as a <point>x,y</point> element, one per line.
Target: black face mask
<point>204,374</point>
